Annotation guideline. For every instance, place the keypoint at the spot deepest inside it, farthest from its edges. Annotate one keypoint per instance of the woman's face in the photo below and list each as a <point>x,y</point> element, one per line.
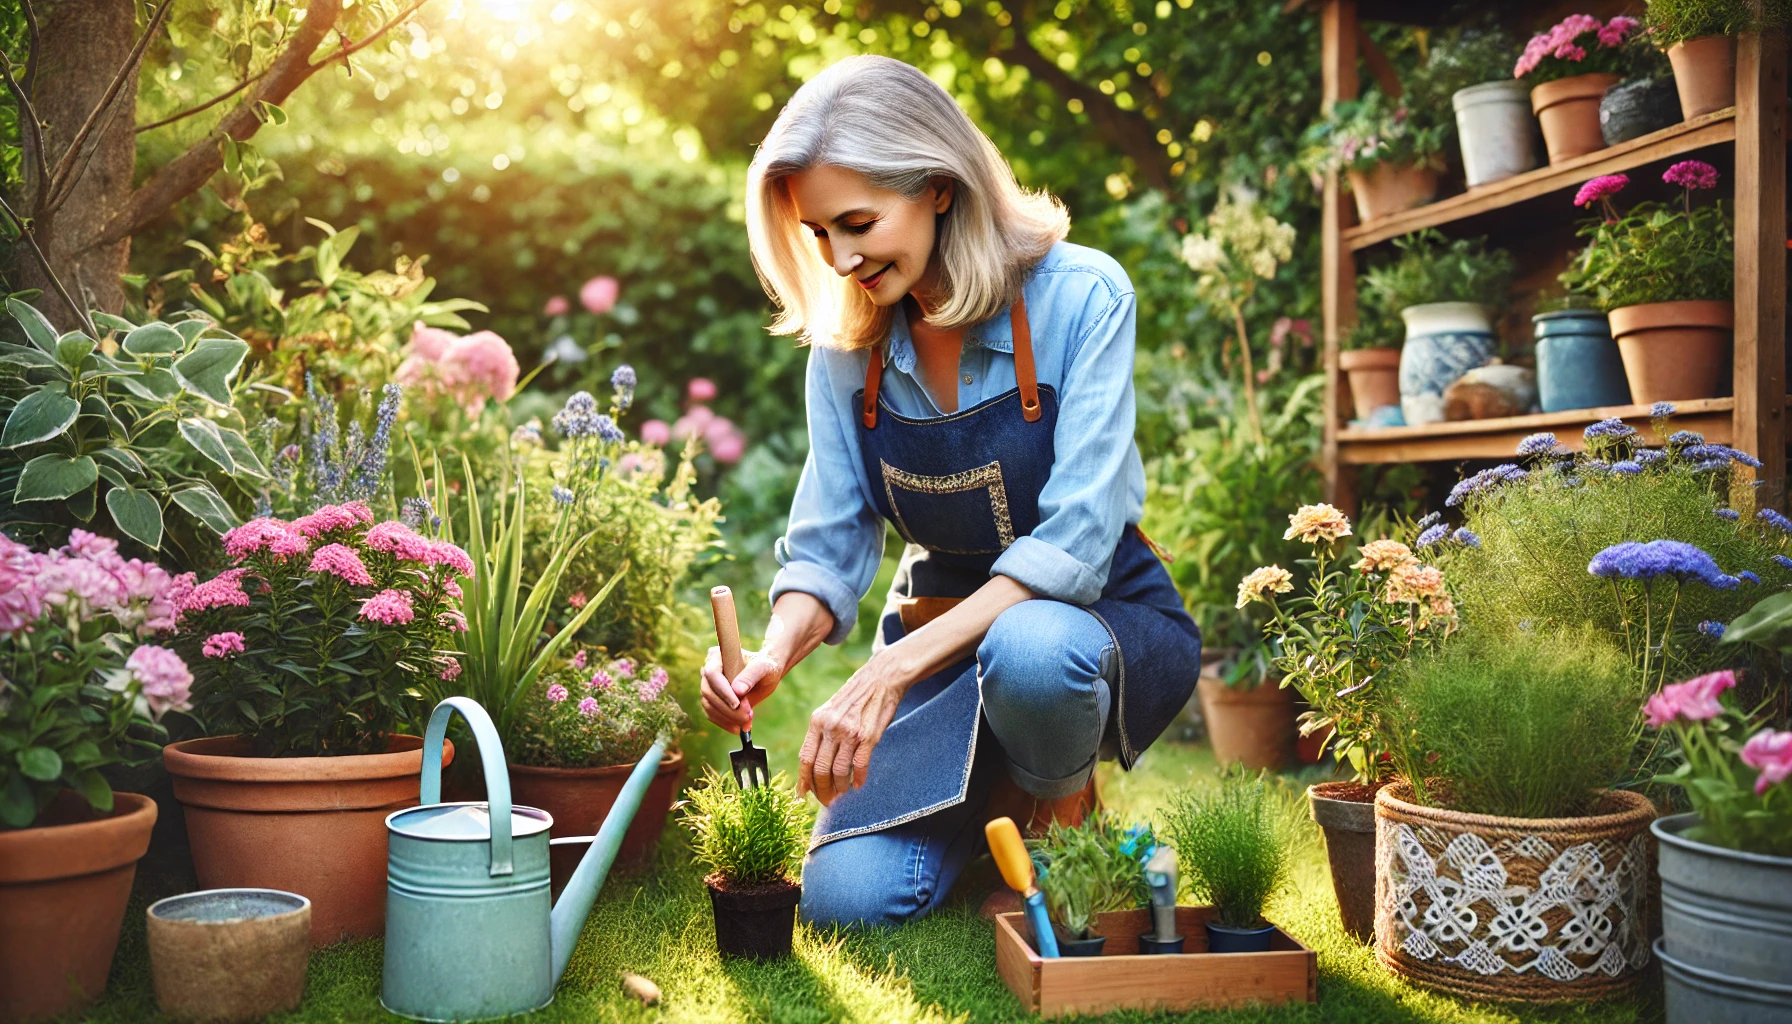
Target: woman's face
<point>877,237</point>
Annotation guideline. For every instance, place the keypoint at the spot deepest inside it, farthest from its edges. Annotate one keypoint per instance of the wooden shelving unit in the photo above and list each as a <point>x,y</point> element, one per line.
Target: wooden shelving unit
<point>1751,137</point>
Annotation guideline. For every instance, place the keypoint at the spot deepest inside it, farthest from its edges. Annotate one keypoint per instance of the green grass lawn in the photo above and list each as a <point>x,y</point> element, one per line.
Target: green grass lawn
<point>657,923</point>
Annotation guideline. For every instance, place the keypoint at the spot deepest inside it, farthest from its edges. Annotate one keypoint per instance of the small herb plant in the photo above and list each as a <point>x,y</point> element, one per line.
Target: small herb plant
<point>1091,869</point>
<point>590,715</point>
<point>1658,252</point>
<point>1232,845</point>
<point>1738,787</point>
<point>318,641</point>
<point>1676,21</point>
<point>1579,44</point>
<point>1375,129</point>
<point>1431,268</point>
<point>1517,728</point>
<point>747,837</point>
<point>81,689</point>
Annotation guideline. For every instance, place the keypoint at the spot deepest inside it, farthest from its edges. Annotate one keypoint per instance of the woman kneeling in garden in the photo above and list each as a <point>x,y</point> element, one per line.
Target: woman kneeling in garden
<point>1030,628</point>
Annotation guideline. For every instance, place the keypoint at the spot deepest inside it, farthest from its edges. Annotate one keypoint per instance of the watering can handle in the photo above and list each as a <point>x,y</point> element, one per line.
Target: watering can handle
<point>497,776</point>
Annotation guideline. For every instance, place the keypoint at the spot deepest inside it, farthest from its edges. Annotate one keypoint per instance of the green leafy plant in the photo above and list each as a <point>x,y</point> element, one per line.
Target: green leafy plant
<point>1090,869</point>
<point>1522,728</point>
<point>1232,845</point>
<point>1676,21</point>
<point>1657,252</point>
<point>134,422</point>
<point>1431,268</point>
<point>584,714</point>
<point>1375,129</point>
<point>747,837</point>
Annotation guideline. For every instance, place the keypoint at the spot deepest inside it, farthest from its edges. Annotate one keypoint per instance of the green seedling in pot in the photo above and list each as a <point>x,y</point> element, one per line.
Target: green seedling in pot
<point>1088,870</point>
<point>752,841</point>
<point>1233,844</point>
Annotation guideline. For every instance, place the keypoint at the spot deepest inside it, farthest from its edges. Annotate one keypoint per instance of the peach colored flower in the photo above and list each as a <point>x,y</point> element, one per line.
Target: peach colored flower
<point>1316,524</point>
<point>1413,582</point>
<point>1383,555</point>
<point>1269,579</point>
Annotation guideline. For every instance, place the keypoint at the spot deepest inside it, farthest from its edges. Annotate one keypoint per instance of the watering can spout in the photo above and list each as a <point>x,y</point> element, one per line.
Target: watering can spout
<point>581,890</point>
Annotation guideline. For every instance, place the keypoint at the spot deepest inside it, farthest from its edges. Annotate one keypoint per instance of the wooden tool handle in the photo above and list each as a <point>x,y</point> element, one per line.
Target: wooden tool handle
<point>1010,854</point>
<point>721,602</point>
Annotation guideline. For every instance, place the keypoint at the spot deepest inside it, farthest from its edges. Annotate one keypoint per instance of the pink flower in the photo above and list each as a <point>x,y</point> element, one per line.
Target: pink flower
<point>1691,174</point>
<point>443,553</point>
<point>452,670</point>
<point>470,370</point>
<point>222,591</point>
<point>452,589</point>
<point>388,607</point>
<point>588,707</point>
<point>333,517</point>
<point>452,621</point>
<point>729,448</point>
<point>557,693</point>
<point>1615,30</point>
<point>82,586</point>
<point>701,389</point>
<point>1694,700</point>
<point>20,601</point>
<point>650,688</point>
<point>220,645</point>
<point>430,343</point>
<point>622,668</point>
<point>399,541</point>
<point>556,306</point>
<point>166,683</point>
<point>599,294</point>
<point>341,561</point>
<point>486,363</point>
<point>1603,187</point>
<point>656,432</point>
<point>578,600</point>
<point>272,535</point>
<point>578,659</point>
<point>601,680</point>
<point>1771,752</point>
<point>147,596</point>
<point>83,544</point>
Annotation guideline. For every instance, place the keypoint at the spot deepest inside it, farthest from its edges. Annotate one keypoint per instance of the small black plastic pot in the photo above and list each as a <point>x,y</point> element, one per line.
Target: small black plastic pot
<point>754,921</point>
<point>1150,945</point>
<point>1221,939</point>
<point>1090,946</point>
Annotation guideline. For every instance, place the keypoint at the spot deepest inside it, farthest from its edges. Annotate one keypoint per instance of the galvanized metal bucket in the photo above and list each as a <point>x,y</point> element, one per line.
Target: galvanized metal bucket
<point>1726,921</point>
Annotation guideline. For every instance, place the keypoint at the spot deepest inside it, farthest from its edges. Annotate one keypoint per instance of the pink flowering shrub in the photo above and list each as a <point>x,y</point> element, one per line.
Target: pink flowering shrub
<point>1657,251</point>
<point>1738,787</point>
<point>83,682</point>
<point>315,641</point>
<point>582,716</point>
<point>1579,45</point>
<point>469,369</point>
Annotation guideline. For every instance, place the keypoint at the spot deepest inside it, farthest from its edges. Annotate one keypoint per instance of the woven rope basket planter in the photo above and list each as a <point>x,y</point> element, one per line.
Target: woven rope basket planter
<point>1519,909</point>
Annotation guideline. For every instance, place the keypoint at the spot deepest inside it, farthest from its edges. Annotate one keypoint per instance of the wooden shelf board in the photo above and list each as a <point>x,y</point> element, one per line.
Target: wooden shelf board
<point>1711,129</point>
<point>1498,438</point>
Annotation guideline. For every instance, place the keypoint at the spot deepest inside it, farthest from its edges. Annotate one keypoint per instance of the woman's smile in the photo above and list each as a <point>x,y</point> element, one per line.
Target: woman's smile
<point>869,283</point>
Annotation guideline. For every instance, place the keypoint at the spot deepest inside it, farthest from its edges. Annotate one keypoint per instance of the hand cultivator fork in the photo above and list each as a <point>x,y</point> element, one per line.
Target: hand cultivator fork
<point>750,768</point>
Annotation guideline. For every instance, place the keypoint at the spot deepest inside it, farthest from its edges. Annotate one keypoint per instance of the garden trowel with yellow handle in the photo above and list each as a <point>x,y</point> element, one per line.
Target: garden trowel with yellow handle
<point>750,769</point>
<point>1017,870</point>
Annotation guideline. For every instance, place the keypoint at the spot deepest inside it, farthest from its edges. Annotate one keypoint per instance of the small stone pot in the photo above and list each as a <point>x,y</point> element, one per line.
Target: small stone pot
<point>1497,130</point>
<point>1090,946</point>
<point>226,955</point>
<point>1704,74</point>
<point>756,922</point>
<point>1345,813</point>
<point>1568,110</point>
<point>1635,109</point>
<point>1221,939</point>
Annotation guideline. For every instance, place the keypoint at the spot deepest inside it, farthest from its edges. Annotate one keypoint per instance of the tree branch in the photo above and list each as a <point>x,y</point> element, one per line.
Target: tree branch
<point>63,181</point>
<point>33,128</point>
<point>44,264</point>
<point>207,105</point>
<point>350,50</point>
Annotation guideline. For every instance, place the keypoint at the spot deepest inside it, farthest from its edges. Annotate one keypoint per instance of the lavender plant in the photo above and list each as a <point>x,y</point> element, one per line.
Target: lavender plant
<point>586,715</point>
<point>321,463</point>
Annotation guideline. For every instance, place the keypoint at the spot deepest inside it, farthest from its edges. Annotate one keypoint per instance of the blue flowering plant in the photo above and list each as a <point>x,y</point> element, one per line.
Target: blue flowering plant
<point>1355,623</point>
<point>318,461</point>
<point>1657,545</point>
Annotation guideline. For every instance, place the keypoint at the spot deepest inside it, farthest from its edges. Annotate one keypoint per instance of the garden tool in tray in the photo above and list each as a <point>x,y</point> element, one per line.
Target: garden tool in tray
<point>749,762</point>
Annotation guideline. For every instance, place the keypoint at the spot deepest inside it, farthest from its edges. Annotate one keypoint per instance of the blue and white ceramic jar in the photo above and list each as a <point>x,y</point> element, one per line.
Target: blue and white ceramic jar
<point>1444,340</point>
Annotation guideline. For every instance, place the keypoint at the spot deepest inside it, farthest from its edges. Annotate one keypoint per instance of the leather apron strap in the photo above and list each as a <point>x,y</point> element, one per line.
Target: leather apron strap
<point>1025,375</point>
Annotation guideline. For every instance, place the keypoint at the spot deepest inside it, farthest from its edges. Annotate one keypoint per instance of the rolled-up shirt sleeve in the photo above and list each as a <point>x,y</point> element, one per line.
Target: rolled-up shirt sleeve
<point>834,542</point>
<point>1083,507</point>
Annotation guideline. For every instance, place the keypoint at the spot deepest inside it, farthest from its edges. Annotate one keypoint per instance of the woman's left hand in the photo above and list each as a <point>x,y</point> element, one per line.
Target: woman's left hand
<point>836,752</point>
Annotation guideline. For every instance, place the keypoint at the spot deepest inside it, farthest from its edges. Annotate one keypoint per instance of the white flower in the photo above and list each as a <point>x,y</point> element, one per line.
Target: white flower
<point>1203,255</point>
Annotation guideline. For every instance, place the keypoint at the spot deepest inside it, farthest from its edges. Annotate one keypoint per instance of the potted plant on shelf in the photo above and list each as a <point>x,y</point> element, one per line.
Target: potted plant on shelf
<point>1390,151</point>
<point>1336,645</point>
<point>1644,101</point>
<point>751,840</point>
<point>1700,39</point>
<point>1232,846</point>
<point>82,688</point>
<point>1578,366</point>
<point>1446,292</point>
<point>1494,123</point>
<point>1504,817</point>
<point>1087,870</point>
<point>1664,275</point>
<point>1569,68</point>
<point>308,655</point>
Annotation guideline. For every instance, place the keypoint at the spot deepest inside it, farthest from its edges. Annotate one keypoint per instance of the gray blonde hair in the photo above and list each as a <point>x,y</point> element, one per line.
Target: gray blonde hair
<point>889,122</point>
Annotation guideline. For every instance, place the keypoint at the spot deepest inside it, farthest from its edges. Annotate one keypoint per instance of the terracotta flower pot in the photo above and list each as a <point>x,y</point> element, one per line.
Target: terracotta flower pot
<point>1704,74</point>
<point>1345,812</point>
<point>1390,188</point>
<point>64,884</point>
<point>1674,351</point>
<point>311,825</point>
<point>1253,727</point>
<point>756,921</point>
<point>579,798</point>
<point>1568,110</point>
<point>1374,377</point>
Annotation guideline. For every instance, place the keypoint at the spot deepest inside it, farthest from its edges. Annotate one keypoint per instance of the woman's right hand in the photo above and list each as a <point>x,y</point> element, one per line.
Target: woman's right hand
<point>729,702</point>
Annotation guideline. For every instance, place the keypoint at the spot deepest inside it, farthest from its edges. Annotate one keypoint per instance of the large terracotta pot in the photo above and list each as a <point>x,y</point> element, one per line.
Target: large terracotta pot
<point>1253,727</point>
<point>1704,74</point>
<point>1674,351</point>
<point>1374,378</point>
<point>311,825</point>
<point>578,799</point>
<point>64,884</point>
<point>1568,110</point>
<point>1390,188</point>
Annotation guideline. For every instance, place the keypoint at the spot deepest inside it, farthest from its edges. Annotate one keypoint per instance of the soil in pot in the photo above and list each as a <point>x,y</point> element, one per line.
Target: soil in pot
<point>1221,939</point>
<point>1253,727</point>
<point>1568,110</point>
<point>580,798</point>
<point>311,825</point>
<point>1635,109</point>
<point>754,921</point>
<point>229,955</point>
<point>1374,377</point>
<point>64,884</point>
<point>1704,74</point>
<point>1390,188</point>
<point>1345,813</point>
<point>1674,351</point>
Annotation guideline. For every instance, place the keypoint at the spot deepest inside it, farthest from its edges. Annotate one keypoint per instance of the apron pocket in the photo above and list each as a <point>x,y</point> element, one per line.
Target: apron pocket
<point>963,513</point>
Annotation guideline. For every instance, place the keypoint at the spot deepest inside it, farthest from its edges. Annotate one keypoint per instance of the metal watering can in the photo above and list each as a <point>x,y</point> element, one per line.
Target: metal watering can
<point>470,929</point>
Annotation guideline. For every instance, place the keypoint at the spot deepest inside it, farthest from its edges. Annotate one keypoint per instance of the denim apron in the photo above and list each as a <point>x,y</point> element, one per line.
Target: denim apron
<point>959,489</point>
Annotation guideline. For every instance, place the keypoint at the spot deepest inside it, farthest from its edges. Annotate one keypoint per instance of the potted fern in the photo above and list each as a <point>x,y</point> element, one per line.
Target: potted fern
<point>1089,870</point>
<point>1232,844</point>
<point>752,841</point>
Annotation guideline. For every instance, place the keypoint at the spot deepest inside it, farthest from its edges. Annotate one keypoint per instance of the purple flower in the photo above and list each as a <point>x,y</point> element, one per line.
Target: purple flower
<point>1696,174</point>
<point>1728,513</point>
<point>1464,535</point>
<point>557,693</point>
<point>1714,630</point>
<point>1485,480</point>
<point>588,707</point>
<point>1430,517</point>
<point>1432,535</point>
<point>1613,428</point>
<point>1603,187</point>
<point>1646,456</point>
<point>1661,410</point>
<point>1634,560</point>
<point>1680,437</point>
<point>1628,467</point>
<point>1748,577</point>
<point>1782,561</point>
<point>1775,520</point>
<point>1538,444</point>
<point>1745,458</point>
<point>1711,466</point>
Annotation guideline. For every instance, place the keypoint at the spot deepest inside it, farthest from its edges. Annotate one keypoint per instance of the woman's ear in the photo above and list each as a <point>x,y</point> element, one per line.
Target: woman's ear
<point>942,193</point>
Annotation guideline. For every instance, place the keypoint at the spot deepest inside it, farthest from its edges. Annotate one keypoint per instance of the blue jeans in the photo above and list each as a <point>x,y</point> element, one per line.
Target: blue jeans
<point>1042,672</point>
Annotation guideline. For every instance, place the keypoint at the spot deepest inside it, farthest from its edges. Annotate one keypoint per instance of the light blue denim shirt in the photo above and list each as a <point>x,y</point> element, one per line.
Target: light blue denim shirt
<point>1080,311</point>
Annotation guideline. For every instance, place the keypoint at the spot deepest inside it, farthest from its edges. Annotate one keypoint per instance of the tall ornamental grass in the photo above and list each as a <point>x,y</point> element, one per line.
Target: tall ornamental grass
<point>1232,845</point>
